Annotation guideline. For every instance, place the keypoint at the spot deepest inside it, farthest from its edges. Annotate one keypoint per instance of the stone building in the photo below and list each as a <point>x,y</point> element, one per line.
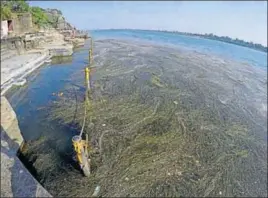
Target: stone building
<point>18,25</point>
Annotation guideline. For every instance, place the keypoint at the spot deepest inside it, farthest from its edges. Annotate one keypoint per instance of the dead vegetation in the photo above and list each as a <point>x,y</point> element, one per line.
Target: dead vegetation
<point>157,132</point>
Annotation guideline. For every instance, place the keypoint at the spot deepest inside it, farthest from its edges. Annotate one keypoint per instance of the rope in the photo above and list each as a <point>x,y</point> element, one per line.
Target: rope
<point>84,121</point>
<point>88,85</point>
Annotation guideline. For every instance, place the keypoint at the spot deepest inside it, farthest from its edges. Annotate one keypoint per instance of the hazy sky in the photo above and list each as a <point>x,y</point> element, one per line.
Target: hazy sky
<point>245,20</point>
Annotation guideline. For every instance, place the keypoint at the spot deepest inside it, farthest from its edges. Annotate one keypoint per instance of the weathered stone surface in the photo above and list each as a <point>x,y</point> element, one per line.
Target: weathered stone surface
<point>9,122</point>
<point>14,43</point>
<point>18,67</point>
<point>60,50</point>
<point>76,41</point>
<point>22,23</point>
<point>16,181</point>
<point>58,21</point>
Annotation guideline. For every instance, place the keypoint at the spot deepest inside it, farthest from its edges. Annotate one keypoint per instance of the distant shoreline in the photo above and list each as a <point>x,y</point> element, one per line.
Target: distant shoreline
<point>224,39</point>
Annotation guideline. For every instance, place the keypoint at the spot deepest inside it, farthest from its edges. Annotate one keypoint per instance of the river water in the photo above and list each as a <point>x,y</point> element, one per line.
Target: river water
<point>49,81</point>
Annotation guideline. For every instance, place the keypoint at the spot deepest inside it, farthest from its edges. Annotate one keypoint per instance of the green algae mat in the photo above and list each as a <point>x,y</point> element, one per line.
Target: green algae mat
<point>163,123</point>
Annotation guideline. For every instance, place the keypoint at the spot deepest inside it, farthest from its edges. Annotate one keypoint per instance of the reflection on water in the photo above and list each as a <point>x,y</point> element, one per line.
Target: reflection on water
<point>61,60</point>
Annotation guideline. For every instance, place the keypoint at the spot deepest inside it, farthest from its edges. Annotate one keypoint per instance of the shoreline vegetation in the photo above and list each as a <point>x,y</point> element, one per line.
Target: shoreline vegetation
<point>227,39</point>
<point>211,36</point>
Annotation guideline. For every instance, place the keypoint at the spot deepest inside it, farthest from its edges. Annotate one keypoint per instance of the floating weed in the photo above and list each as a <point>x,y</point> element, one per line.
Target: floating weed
<point>158,132</point>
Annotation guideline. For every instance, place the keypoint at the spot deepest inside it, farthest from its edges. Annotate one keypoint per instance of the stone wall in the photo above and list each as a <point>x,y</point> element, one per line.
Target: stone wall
<point>34,40</point>
<point>22,24</point>
<point>22,43</point>
<point>26,24</point>
<point>14,43</point>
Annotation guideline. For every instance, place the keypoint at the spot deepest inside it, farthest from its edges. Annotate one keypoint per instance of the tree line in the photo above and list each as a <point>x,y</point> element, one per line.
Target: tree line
<point>225,39</point>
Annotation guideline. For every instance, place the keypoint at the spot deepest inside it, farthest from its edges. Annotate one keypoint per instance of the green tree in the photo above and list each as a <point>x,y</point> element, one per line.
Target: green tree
<point>13,6</point>
<point>39,16</point>
<point>5,13</point>
<point>18,5</point>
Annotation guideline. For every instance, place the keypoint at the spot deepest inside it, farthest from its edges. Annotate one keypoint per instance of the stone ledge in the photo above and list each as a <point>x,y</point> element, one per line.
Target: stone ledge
<point>10,77</point>
<point>60,50</point>
<point>9,122</point>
